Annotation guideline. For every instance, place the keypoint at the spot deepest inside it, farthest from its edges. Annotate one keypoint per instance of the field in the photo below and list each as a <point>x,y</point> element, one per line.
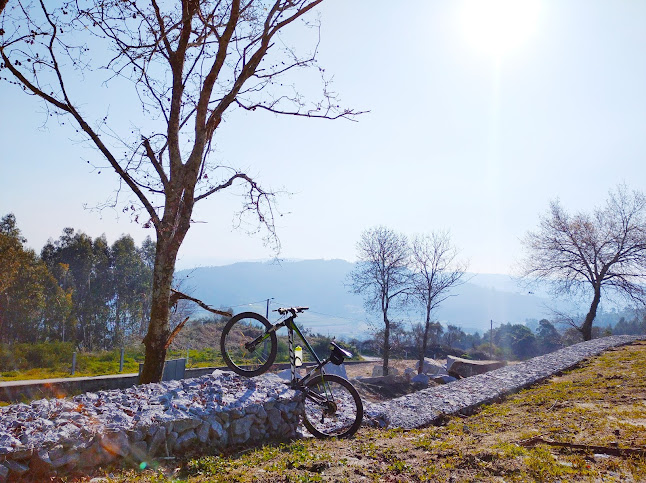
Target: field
<point>585,425</point>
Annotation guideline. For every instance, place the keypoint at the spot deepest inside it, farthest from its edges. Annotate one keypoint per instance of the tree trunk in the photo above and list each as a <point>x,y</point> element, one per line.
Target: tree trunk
<point>386,350</point>
<point>422,353</point>
<point>117,324</point>
<point>586,328</point>
<point>158,327</point>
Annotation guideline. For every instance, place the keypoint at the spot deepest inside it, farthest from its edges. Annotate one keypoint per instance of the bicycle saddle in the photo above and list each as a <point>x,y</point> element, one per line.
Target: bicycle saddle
<point>338,354</point>
<point>292,310</point>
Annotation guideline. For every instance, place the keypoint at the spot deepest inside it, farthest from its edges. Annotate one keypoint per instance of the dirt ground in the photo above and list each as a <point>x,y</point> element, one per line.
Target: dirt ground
<point>379,391</point>
<point>365,369</point>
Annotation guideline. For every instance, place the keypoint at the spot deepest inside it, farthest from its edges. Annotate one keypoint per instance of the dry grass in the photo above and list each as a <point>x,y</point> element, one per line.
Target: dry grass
<point>602,403</point>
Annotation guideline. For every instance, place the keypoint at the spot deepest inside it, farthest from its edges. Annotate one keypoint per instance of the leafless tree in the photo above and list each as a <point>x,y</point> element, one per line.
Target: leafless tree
<point>436,271</point>
<point>592,253</point>
<point>381,275</point>
<point>188,63</point>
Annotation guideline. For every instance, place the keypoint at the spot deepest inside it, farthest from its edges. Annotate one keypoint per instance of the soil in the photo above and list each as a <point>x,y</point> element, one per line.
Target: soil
<point>376,391</point>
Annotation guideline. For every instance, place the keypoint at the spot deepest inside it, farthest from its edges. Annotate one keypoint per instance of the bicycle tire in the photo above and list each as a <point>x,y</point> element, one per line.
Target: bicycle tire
<point>346,414</point>
<point>241,329</point>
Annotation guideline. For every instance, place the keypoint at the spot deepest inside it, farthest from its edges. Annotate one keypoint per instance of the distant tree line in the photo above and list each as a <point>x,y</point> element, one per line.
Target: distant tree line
<point>507,341</point>
<point>78,290</point>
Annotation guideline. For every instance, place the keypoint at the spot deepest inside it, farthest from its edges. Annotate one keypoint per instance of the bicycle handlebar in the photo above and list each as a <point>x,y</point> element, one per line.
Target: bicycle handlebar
<point>292,310</point>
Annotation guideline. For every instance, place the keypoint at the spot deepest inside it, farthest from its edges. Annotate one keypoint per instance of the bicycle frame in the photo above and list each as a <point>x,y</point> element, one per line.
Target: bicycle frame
<point>332,405</point>
<point>291,328</point>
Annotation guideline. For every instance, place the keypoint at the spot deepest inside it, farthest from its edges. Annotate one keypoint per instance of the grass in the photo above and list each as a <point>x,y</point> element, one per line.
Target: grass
<point>54,359</point>
<point>600,403</point>
<point>59,362</point>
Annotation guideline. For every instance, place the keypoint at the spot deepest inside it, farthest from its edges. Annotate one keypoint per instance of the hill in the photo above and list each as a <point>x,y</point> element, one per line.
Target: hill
<point>322,286</point>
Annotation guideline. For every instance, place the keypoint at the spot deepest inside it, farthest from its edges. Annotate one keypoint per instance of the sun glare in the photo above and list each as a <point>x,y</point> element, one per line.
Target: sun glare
<point>498,27</point>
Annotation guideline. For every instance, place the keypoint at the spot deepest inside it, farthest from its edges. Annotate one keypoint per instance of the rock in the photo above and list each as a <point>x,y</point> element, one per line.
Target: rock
<point>157,441</point>
<point>378,371</point>
<point>116,443</point>
<point>261,414</point>
<point>70,460</point>
<point>184,424</point>
<point>217,431</point>
<point>40,463</point>
<point>421,379</point>
<point>171,441</point>
<point>274,417</point>
<point>241,426</point>
<point>431,367</point>
<point>287,374</point>
<point>444,379</point>
<point>334,369</point>
<point>17,469</point>
<point>186,439</point>
<point>22,453</point>
<point>203,432</point>
<point>458,367</point>
<point>139,450</point>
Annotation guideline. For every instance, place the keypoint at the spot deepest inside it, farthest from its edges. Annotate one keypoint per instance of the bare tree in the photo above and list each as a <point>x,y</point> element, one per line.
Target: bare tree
<point>596,253</point>
<point>381,275</point>
<point>188,63</point>
<point>435,273</point>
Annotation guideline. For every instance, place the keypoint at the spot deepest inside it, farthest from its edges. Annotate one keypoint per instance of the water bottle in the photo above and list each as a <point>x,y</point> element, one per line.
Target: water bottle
<point>298,356</point>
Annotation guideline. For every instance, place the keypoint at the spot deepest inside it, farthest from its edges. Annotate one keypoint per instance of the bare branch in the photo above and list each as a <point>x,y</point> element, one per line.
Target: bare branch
<point>597,252</point>
<point>176,296</point>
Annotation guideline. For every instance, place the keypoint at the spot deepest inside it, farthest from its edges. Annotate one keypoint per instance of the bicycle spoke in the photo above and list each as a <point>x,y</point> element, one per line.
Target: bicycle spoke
<point>243,347</point>
<point>332,407</point>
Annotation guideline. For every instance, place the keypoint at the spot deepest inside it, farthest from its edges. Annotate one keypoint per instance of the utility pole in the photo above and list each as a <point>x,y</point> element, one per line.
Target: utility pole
<point>265,346</point>
<point>267,311</point>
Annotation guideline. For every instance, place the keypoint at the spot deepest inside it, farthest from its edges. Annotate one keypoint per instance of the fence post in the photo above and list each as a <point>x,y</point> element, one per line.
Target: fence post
<point>121,361</point>
<point>73,362</point>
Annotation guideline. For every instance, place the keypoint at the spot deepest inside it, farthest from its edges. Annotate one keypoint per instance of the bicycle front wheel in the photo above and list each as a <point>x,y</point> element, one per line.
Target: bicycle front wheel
<point>333,407</point>
<point>247,347</point>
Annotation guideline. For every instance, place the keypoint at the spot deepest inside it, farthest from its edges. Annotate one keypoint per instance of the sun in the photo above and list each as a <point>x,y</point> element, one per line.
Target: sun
<point>499,27</point>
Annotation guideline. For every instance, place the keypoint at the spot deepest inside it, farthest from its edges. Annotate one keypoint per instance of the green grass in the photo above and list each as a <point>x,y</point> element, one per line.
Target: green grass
<point>54,360</point>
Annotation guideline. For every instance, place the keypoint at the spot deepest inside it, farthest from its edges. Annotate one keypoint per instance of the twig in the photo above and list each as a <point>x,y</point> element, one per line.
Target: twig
<point>175,332</point>
<point>176,295</point>
<point>585,447</point>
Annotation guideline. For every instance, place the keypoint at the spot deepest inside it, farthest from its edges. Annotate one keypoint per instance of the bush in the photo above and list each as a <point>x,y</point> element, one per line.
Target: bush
<point>22,357</point>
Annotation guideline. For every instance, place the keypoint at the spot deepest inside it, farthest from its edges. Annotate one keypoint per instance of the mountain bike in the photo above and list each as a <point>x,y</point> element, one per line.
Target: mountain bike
<point>249,346</point>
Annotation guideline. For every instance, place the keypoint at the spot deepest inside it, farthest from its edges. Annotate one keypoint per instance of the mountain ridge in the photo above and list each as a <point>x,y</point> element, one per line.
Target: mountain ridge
<point>323,285</point>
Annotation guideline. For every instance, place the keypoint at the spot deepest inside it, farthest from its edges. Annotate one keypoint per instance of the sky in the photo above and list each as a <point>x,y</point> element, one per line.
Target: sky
<point>478,118</point>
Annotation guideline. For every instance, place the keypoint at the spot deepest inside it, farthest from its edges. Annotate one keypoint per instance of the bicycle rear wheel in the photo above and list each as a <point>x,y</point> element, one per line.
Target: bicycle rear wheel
<point>333,407</point>
<point>247,348</point>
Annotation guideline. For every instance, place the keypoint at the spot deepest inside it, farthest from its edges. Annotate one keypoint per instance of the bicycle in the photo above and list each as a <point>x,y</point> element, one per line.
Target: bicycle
<point>333,407</point>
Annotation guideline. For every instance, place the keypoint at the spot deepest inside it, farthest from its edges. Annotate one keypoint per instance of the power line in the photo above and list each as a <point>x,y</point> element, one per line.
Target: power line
<point>248,303</point>
<point>321,313</point>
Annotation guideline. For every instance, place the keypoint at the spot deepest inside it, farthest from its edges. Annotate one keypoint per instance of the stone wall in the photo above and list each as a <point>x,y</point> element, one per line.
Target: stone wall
<point>423,408</point>
<point>17,391</point>
<point>56,436</point>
